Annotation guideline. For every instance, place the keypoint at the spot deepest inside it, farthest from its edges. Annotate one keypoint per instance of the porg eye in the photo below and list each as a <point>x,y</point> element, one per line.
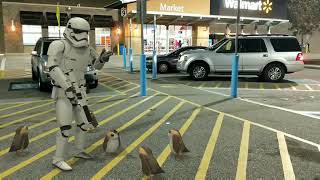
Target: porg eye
<point>112,135</point>
<point>170,131</point>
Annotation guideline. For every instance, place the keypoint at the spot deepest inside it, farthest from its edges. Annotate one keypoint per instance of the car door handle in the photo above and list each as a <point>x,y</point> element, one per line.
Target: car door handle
<point>265,55</point>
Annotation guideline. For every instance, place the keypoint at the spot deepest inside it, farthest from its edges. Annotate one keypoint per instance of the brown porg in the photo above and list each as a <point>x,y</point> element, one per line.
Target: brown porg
<point>176,143</point>
<point>150,166</point>
<point>20,140</point>
<point>111,142</point>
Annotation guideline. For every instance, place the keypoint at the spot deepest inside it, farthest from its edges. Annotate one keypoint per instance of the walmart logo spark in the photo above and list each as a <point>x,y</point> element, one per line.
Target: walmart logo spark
<point>267,6</point>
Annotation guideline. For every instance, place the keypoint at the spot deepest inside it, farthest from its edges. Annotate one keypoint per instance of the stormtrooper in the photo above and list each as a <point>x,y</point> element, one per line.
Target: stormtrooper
<point>68,61</point>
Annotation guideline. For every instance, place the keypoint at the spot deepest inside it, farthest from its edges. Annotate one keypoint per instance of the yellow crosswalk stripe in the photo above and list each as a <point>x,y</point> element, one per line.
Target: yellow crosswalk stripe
<point>112,89</point>
<point>189,83</point>
<point>207,156</point>
<point>308,87</point>
<point>285,158</point>
<point>47,133</point>
<point>116,83</point>
<point>120,87</point>
<point>25,110</point>
<point>218,84</point>
<point>97,144</point>
<point>243,154</point>
<point>52,148</point>
<point>261,85</point>
<point>293,87</point>
<point>166,152</point>
<point>133,145</point>
<point>246,85</point>
<point>15,106</point>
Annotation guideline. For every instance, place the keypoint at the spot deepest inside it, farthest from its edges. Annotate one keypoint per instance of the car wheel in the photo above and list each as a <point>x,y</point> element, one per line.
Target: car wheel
<point>163,68</point>
<point>199,71</point>
<point>94,85</point>
<point>274,73</point>
<point>44,87</point>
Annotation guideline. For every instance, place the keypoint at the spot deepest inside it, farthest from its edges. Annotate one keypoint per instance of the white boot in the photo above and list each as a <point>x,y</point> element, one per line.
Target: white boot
<point>62,165</point>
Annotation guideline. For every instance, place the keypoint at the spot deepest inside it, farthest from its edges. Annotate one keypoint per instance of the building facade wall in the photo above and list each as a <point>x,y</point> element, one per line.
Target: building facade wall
<point>12,40</point>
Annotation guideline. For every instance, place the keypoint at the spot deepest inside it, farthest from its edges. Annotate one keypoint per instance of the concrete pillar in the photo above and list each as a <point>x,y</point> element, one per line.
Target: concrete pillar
<point>92,38</point>
<point>194,35</point>
<point>2,47</point>
<point>45,31</point>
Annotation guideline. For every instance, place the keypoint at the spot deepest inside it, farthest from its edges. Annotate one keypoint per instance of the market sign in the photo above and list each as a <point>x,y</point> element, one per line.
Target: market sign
<point>176,6</point>
<point>251,8</point>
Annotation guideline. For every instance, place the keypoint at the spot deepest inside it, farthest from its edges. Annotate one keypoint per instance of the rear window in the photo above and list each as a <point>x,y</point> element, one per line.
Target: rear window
<point>285,45</point>
<point>46,45</point>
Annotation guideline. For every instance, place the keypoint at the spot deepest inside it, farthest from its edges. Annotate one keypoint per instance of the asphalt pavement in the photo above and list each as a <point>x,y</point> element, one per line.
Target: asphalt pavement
<point>267,133</point>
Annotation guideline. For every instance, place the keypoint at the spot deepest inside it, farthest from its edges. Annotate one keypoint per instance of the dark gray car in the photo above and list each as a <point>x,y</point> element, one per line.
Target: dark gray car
<point>168,62</point>
<point>40,71</point>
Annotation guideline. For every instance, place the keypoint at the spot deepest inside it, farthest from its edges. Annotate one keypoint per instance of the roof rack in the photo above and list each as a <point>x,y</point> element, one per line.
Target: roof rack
<point>264,35</point>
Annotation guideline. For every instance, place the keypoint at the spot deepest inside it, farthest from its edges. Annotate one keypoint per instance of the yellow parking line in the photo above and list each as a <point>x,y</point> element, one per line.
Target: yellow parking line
<point>189,83</point>
<point>52,148</point>
<point>136,143</point>
<point>285,158</point>
<point>117,83</point>
<point>308,87</point>
<point>293,87</point>
<point>112,89</point>
<point>94,146</point>
<point>2,74</point>
<point>10,107</point>
<point>218,84</point>
<point>166,152</point>
<point>243,154</point>
<point>25,110</point>
<point>207,156</point>
<point>120,87</point>
<point>277,86</point>
<point>202,85</point>
<point>105,78</point>
<point>2,152</point>
<point>261,85</point>
<point>246,85</point>
<point>52,119</point>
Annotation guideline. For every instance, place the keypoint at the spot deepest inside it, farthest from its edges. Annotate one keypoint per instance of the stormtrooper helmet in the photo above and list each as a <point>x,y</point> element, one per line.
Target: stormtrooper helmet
<point>77,32</point>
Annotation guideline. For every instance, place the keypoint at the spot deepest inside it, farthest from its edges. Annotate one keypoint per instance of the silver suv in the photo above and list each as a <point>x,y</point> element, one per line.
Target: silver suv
<point>267,56</point>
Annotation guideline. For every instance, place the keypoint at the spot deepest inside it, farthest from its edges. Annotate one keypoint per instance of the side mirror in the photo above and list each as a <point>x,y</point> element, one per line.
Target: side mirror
<point>34,53</point>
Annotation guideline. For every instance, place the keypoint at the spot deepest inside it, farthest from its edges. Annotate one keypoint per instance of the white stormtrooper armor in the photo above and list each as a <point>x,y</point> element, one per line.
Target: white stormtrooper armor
<point>68,62</point>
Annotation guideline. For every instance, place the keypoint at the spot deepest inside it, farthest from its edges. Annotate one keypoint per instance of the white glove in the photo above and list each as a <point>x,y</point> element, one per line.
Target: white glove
<point>105,56</point>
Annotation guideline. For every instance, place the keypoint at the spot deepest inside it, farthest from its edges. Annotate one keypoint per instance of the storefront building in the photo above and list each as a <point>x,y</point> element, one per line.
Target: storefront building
<point>185,22</point>
<point>24,22</point>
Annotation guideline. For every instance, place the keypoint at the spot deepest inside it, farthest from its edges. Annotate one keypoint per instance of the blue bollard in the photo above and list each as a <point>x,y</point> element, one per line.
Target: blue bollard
<point>130,60</point>
<point>154,65</point>
<point>143,75</point>
<point>234,78</point>
<point>124,58</point>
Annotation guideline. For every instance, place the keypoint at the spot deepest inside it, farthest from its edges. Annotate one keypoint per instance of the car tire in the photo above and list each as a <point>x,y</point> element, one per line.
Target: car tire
<point>94,85</point>
<point>163,68</point>
<point>199,71</point>
<point>44,87</point>
<point>274,72</point>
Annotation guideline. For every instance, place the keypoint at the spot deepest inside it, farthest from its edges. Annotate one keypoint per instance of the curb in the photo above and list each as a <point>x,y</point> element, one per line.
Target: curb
<point>312,66</point>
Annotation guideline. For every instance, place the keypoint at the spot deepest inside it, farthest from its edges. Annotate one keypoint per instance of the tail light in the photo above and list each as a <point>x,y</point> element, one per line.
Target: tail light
<point>299,57</point>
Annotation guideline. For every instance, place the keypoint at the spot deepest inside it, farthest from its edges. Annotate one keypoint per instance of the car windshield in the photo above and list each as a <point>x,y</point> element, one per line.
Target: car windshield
<point>216,45</point>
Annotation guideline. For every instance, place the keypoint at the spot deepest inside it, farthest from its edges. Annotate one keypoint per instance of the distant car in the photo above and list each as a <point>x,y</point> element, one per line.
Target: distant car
<point>40,71</point>
<point>268,56</point>
<point>169,61</point>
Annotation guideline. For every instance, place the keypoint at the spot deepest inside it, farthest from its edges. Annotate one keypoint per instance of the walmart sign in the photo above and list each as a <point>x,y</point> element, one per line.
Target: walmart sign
<point>265,6</point>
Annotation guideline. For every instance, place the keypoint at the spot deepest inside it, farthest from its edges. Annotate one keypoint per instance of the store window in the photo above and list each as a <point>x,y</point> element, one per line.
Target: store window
<point>31,34</point>
<point>103,36</point>
<point>53,31</point>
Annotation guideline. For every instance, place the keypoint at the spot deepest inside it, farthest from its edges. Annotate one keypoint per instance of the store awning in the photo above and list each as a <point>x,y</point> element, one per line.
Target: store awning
<point>31,18</point>
<point>169,18</point>
<point>102,21</point>
<point>52,19</point>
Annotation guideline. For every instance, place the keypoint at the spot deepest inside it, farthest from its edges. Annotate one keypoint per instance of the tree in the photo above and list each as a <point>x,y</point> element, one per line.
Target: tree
<point>304,16</point>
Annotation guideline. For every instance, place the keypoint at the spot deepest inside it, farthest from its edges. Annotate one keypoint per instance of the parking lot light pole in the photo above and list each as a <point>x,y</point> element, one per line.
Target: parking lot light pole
<point>235,60</point>
<point>155,61</point>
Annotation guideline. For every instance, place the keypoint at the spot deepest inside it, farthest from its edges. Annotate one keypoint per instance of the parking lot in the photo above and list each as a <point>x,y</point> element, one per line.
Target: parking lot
<point>270,132</point>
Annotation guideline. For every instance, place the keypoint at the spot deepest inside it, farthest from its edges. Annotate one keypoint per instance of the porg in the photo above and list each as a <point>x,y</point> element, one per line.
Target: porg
<point>111,142</point>
<point>176,143</point>
<point>20,140</point>
<point>150,166</point>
